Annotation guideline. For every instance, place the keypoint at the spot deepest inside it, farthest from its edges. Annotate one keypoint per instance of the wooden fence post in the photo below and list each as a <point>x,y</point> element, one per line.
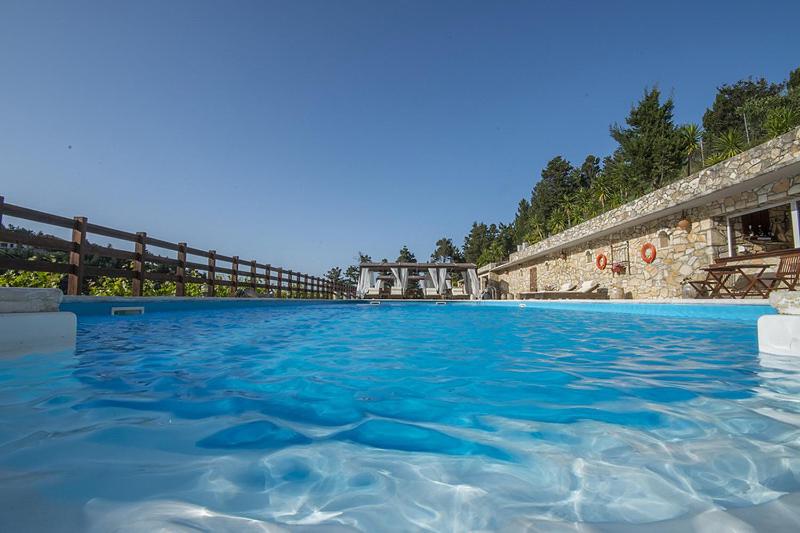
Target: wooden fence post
<point>211,274</point>
<point>2,201</point>
<point>267,280</point>
<point>180,271</point>
<point>75,277</point>
<point>235,275</point>
<point>253,274</point>
<point>305,286</point>
<point>137,287</point>
<point>280,282</point>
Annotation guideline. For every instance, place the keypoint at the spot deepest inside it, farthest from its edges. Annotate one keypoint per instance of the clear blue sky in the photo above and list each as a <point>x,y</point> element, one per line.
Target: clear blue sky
<point>300,132</point>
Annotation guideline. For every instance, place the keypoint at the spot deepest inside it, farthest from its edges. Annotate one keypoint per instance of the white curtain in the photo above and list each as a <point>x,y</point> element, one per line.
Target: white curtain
<point>434,277</point>
<point>472,283</point>
<point>364,281</point>
<point>401,277</point>
<point>442,286</point>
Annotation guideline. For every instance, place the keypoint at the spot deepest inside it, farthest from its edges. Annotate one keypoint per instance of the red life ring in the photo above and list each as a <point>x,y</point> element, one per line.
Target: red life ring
<point>601,261</point>
<point>648,253</point>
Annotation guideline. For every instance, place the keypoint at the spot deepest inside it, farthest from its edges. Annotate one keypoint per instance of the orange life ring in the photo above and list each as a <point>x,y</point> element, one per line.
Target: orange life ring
<point>601,261</point>
<point>648,253</point>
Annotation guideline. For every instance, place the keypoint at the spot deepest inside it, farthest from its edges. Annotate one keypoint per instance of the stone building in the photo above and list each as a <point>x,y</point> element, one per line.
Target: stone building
<point>744,208</point>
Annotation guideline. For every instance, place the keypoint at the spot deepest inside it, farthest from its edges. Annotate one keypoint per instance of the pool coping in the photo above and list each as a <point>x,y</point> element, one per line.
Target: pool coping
<point>113,305</point>
<point>202,299</point>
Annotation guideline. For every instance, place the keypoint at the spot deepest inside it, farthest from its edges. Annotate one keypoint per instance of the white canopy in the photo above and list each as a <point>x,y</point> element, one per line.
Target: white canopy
<point>364,282</point>
<point>472,284</point>
<point>401,276</point>
<point>439,279</point>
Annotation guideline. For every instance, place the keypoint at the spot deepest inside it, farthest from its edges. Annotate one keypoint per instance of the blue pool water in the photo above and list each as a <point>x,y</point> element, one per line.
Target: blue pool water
<point>403,418</point>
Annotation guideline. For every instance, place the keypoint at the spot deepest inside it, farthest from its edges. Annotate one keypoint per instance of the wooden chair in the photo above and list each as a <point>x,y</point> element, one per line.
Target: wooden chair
<point>703,287</point>
<point>786,275</point>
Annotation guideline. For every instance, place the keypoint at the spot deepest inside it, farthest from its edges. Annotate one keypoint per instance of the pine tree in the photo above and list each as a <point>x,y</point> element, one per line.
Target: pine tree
<point>651,147</point>
<point>406,255</point>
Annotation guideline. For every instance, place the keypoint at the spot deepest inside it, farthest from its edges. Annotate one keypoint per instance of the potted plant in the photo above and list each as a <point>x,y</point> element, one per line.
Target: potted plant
<point>618,268</point>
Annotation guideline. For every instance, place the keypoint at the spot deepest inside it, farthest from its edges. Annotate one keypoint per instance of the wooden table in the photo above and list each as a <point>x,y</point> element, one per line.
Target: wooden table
<point>720,276</point>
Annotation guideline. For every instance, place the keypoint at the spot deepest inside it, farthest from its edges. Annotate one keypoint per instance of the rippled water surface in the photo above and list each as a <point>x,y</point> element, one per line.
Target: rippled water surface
<point>401,418</point>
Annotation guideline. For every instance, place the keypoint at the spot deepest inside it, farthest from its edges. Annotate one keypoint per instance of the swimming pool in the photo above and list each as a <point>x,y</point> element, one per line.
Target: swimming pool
<point>404,417</point>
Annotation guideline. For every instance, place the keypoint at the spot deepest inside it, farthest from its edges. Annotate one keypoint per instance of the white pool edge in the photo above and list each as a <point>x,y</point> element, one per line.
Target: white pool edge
<point>36,333</point>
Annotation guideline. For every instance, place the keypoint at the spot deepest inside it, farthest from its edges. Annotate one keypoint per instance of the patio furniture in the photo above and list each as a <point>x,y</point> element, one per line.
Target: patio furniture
<point>396,292</point>
<point>430,293</point>
<point>720,281</point>
<point>587,290</point>
<point>785,276</point>
<point>459,293</point>
<point>373,292</point>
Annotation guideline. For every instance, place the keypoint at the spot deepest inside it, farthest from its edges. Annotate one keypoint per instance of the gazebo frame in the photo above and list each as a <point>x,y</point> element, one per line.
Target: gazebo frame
<point>414,269</point>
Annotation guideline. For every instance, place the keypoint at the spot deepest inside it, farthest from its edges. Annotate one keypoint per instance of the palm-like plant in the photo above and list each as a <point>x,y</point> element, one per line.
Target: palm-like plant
<point>728,144</point>
<point>781,119</point>
<point>558,220</point>
<point>585,205</point>
<point>536,233</point>
<point>690,134</point>
<point>567,207</point>
<point>601,192</point>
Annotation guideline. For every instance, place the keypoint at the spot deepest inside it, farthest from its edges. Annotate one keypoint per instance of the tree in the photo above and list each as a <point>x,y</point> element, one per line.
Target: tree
<point>493,254</point>
<point>793,84</point>
<point>406,256</point>
<point>588,171</point>
<point>446,252</point>
<point>726,113</point>
<point>479,238</point>
<point>557,179</point>
<point>351,274</point>
<point>334,275</point>
<point>692,137</point>
<point>650,147</point>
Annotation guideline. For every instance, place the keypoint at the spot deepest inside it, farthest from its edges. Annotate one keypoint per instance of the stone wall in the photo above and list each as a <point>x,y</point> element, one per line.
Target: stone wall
<point>680,254</point>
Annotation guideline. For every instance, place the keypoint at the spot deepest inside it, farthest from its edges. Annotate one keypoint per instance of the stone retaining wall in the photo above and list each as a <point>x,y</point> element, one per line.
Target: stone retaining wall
<point>680,254</point>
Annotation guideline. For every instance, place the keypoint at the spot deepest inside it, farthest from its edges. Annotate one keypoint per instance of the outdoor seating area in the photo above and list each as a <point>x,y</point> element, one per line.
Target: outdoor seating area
<point>430,281</point>
<point>748,280</point>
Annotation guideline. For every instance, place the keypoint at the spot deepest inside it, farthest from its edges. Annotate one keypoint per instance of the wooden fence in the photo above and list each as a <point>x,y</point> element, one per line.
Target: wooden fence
<point>217,271</point>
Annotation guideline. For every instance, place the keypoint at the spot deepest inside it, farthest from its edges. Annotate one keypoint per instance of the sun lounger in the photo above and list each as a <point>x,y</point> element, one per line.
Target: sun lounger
<point>396,292</point>
<point>587,290</point>
<point>429,293</point>
<point>459,293</point>
<point>373,292</point>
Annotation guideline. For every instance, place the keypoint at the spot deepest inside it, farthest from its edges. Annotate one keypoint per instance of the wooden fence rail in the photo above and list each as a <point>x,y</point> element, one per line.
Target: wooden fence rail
<point>216,271</point>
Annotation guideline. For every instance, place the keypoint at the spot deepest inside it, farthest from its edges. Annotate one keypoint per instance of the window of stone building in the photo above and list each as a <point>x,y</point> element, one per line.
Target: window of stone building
<point>764,230</point>
<point>663,239</point>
